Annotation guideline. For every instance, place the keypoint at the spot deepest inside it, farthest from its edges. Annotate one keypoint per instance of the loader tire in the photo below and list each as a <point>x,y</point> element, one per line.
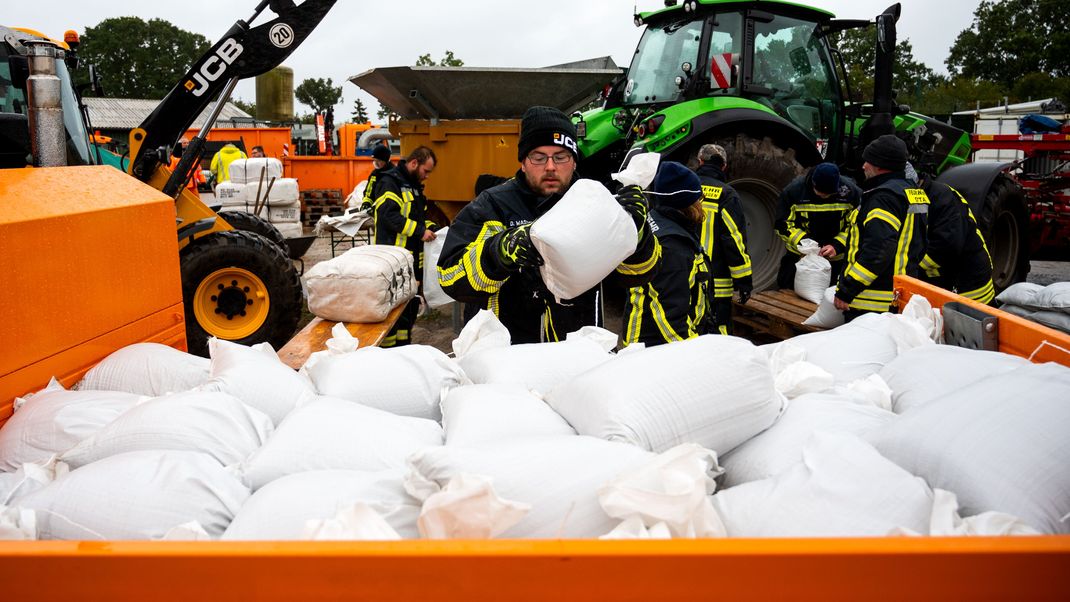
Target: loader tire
<point>241,287</point>
<point>1005,224</point>
<point>240,220</point>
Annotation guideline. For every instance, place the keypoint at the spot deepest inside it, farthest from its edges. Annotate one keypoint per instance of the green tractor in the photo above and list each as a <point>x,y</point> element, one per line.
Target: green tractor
<point>763,80</point>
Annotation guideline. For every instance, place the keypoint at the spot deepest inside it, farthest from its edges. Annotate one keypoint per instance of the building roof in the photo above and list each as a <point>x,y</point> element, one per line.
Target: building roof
<point>128,113</point>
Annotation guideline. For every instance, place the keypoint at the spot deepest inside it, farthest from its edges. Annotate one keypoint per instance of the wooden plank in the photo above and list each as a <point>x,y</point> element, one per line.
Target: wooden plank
<point>772,308</point>
<point>790,298</point>
<point>315,335</point>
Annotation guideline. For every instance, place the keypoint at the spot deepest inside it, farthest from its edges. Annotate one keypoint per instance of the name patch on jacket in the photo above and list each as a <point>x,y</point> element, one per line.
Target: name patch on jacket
<point>711,192</point>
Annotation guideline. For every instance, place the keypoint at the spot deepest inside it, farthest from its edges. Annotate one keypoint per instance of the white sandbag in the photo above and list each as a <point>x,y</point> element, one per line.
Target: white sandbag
<point>359,522</point>
<point>801,378</point>
<point>361,285</point>
<point>230,193</point>
<point>330,433</point>
<point>356,198</point>
<point>945,521</point>
<point>849,352</point>
<point>468,508</point>
<point>1056,319</point>
<point>476,415</point>
<point>283,193</point>
<point>147,369</point>
<point>408,381</point>
<point>1055,296</point>
<point>281,509</point>
<point>250,171</point>
<point>813,273</point>
<point>17,524</point>
<point>29,478</point>
<point>558,477</point>
<point>713,390</point>
<point>294,230</point>
<point>1022,294</point>
<point>433,293</point>
<point>537,366</point>
<point>54,420</point>
<point>257,377</point>
<point>922,375</point>
<point>641,170</point>
<point>138,496</point>
<point>483,331</point>
<point>826,315</point>
<point>781,445</point>
<point>999,444</point>
<point>582,239</point>
<point>841,488</point>
<point>217,424</point>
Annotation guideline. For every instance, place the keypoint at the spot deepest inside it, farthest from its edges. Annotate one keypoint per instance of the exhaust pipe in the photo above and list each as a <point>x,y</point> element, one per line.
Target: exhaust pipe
<point>48,136</point>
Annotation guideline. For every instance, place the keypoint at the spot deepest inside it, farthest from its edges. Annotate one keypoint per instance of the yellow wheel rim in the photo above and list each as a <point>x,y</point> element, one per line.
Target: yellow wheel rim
<point>231,303</point>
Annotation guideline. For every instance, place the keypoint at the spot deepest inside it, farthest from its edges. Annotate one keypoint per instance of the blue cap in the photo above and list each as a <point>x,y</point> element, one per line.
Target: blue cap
<point>826,178</point>
<point>676,186</point>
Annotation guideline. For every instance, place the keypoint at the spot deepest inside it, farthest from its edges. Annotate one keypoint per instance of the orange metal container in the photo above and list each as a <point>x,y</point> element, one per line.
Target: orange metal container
<point>340,173</point>
<point>272,139</point>
<point>88,264</point>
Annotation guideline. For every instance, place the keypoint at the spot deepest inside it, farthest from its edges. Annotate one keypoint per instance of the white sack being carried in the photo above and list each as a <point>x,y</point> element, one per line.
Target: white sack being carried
<point>257,377</point>
<point>281,509</point>
<point>361,285</point>
<point>928,373</point>
<point>147,369</point>
<point>841,488</point>
<point>408,381</point>
<point>780,447</point>
<point>248,171</point>
<point>558,477</point>
<point>433,293</point>
<point>813,273</point>
<point>138,496</point>
<point>477,415</point>
<point>54,420</point>
<point>826,315</point>
<point>582,239</point>
<point>217,424</point>
<point>337,434</point>
<point>714,390</point>
<point>1000,445</point>
<point>541,366</point>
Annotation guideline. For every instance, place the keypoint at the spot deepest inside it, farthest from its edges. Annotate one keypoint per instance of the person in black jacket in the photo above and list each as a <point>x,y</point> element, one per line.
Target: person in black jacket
<point>382,164</point>
<point>675,304</point>
<point>724,236</point>
<point>399,211</point>
<point>956,257</point>
<point>488,260</point>
<point>815,205</point>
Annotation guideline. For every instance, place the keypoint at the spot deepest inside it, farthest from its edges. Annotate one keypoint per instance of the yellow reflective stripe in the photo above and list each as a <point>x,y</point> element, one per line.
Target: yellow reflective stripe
<point>740,271</point>
<point>722,287</point>
<point>885,216</point>
<point>870,305</point>
<point>706,239</point>
<point>389,341</point>
<point>902,250</point>
<point>634,269</point>
<point>795,239</point>
<point>493,303</point>
<point>660,319</point>
<point>635,318</point>
<point>409,229</point>
<point>860,273</point>
<point>697,268</point>
<point>824,207</point>
<point>722,329</point>
<point>985,294</point>
<point>733,229</point>
<point>548,326</point>
<point>928,263</point>
<point>876,295</point>
<point>470,264</point>
<point>841,238</point>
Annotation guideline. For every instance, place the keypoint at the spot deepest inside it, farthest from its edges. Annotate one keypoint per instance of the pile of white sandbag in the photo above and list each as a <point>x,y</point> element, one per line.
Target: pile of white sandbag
<point>1048,305</point>
<point>871,429</point>
<point>259,182</point>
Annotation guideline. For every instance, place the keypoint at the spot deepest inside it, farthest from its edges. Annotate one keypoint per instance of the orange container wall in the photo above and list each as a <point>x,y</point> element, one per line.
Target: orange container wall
<point>88,264</point>
<point>342,173</point>
<point>348,136</point>
<point>272,139</point>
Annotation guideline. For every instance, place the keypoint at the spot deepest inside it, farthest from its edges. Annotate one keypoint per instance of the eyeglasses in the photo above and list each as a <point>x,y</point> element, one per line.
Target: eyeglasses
<point>541,159</point>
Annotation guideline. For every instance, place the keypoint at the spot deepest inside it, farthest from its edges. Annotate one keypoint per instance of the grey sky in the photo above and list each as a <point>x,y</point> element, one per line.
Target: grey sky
<point>359,35</point>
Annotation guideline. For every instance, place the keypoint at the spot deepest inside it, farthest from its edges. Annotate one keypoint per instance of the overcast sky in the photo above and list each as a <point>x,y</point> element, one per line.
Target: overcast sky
<point>358,35</point>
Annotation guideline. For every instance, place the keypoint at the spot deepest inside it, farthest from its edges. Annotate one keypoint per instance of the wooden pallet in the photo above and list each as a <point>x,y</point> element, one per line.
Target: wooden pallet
<point>773,315</point>
<point>314,337</point>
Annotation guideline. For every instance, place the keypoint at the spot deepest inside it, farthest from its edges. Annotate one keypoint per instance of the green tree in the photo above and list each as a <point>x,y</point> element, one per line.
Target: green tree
<point>248,107</point>
<point>1011,38</point>
<point>139,59</point>
<point>448,60</point>
<point>360,112</point>
<point>909,77</point>
<point>318,93</point>
<point>959,94</point>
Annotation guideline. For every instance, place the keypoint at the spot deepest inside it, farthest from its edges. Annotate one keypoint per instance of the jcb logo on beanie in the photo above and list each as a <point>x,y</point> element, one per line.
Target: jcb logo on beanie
<point>565,140</point>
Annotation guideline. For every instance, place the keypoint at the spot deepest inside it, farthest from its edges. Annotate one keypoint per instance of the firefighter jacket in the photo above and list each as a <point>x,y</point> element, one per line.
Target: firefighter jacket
<point>370,192</point>
<point>887,238</point>
<point>221,162</point>
<point>724,233</point>
<point>803,214</point>
<point>675,304</point>
<point>399,212</point>
<point>470,271</point>
<point>956,257</point>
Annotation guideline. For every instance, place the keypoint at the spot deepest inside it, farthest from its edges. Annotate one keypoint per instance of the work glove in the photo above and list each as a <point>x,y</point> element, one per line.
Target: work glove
<point>744,289</point>
<point>632,199</point>
<point>515,249</point>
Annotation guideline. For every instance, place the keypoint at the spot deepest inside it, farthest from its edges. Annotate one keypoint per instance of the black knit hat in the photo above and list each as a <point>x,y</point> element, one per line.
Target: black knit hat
<point>546,126</point>
<point>381,152</point>
<point>826,178</point>
<point>887,152</point>
<point>675,186</point>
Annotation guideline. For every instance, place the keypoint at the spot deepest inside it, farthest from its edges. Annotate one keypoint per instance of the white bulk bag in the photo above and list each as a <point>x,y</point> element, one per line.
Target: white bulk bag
<point>714,390</point>
<point>409,381</point>
<point>54,420</point>
<point>147,369</point>
<point>336,434</point>
<point>433,293</point>
<point>294,230</point>
<point>138,496</point>
<point>928,373</point>
<point>281,215</point>
<point>256,376</point>
<point>214,423</point>
<point>1000,445</point>
<point>476,415</point>
<point>826,315</point>
<point>230,193</point>
<point>558,477</point>
<point>281,509</point>
<point>781,445</point>
<point>249,171</point>
<point>361,285</point>
<point>537,366</point>
<point>813,273</point>
<point>841,488</point>
<point>582,239</point>
<point>284,193</point>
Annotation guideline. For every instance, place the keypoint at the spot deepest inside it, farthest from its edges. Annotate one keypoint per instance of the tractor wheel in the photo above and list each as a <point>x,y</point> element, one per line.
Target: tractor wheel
<point>240,220</point>
<point>1005,223</point>
<point>240,287</point>
<point>759,170</point>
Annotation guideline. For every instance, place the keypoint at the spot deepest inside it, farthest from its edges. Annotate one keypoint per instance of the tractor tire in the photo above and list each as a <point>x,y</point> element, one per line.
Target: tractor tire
<point>759,170</point>
<point>241,220</point>
<point>1005,224</point>
<point>240,287</point>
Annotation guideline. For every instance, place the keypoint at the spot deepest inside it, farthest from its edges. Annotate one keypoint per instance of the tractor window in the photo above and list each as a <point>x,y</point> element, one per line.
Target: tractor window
<point>658,60</point>
<point>725,47</point>
<point>12,100</point>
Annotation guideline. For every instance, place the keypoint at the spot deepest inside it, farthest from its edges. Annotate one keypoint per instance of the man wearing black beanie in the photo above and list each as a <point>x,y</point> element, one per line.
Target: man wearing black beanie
<point>488,260</point>
<point>887,235</point>
<point>381,163</point>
